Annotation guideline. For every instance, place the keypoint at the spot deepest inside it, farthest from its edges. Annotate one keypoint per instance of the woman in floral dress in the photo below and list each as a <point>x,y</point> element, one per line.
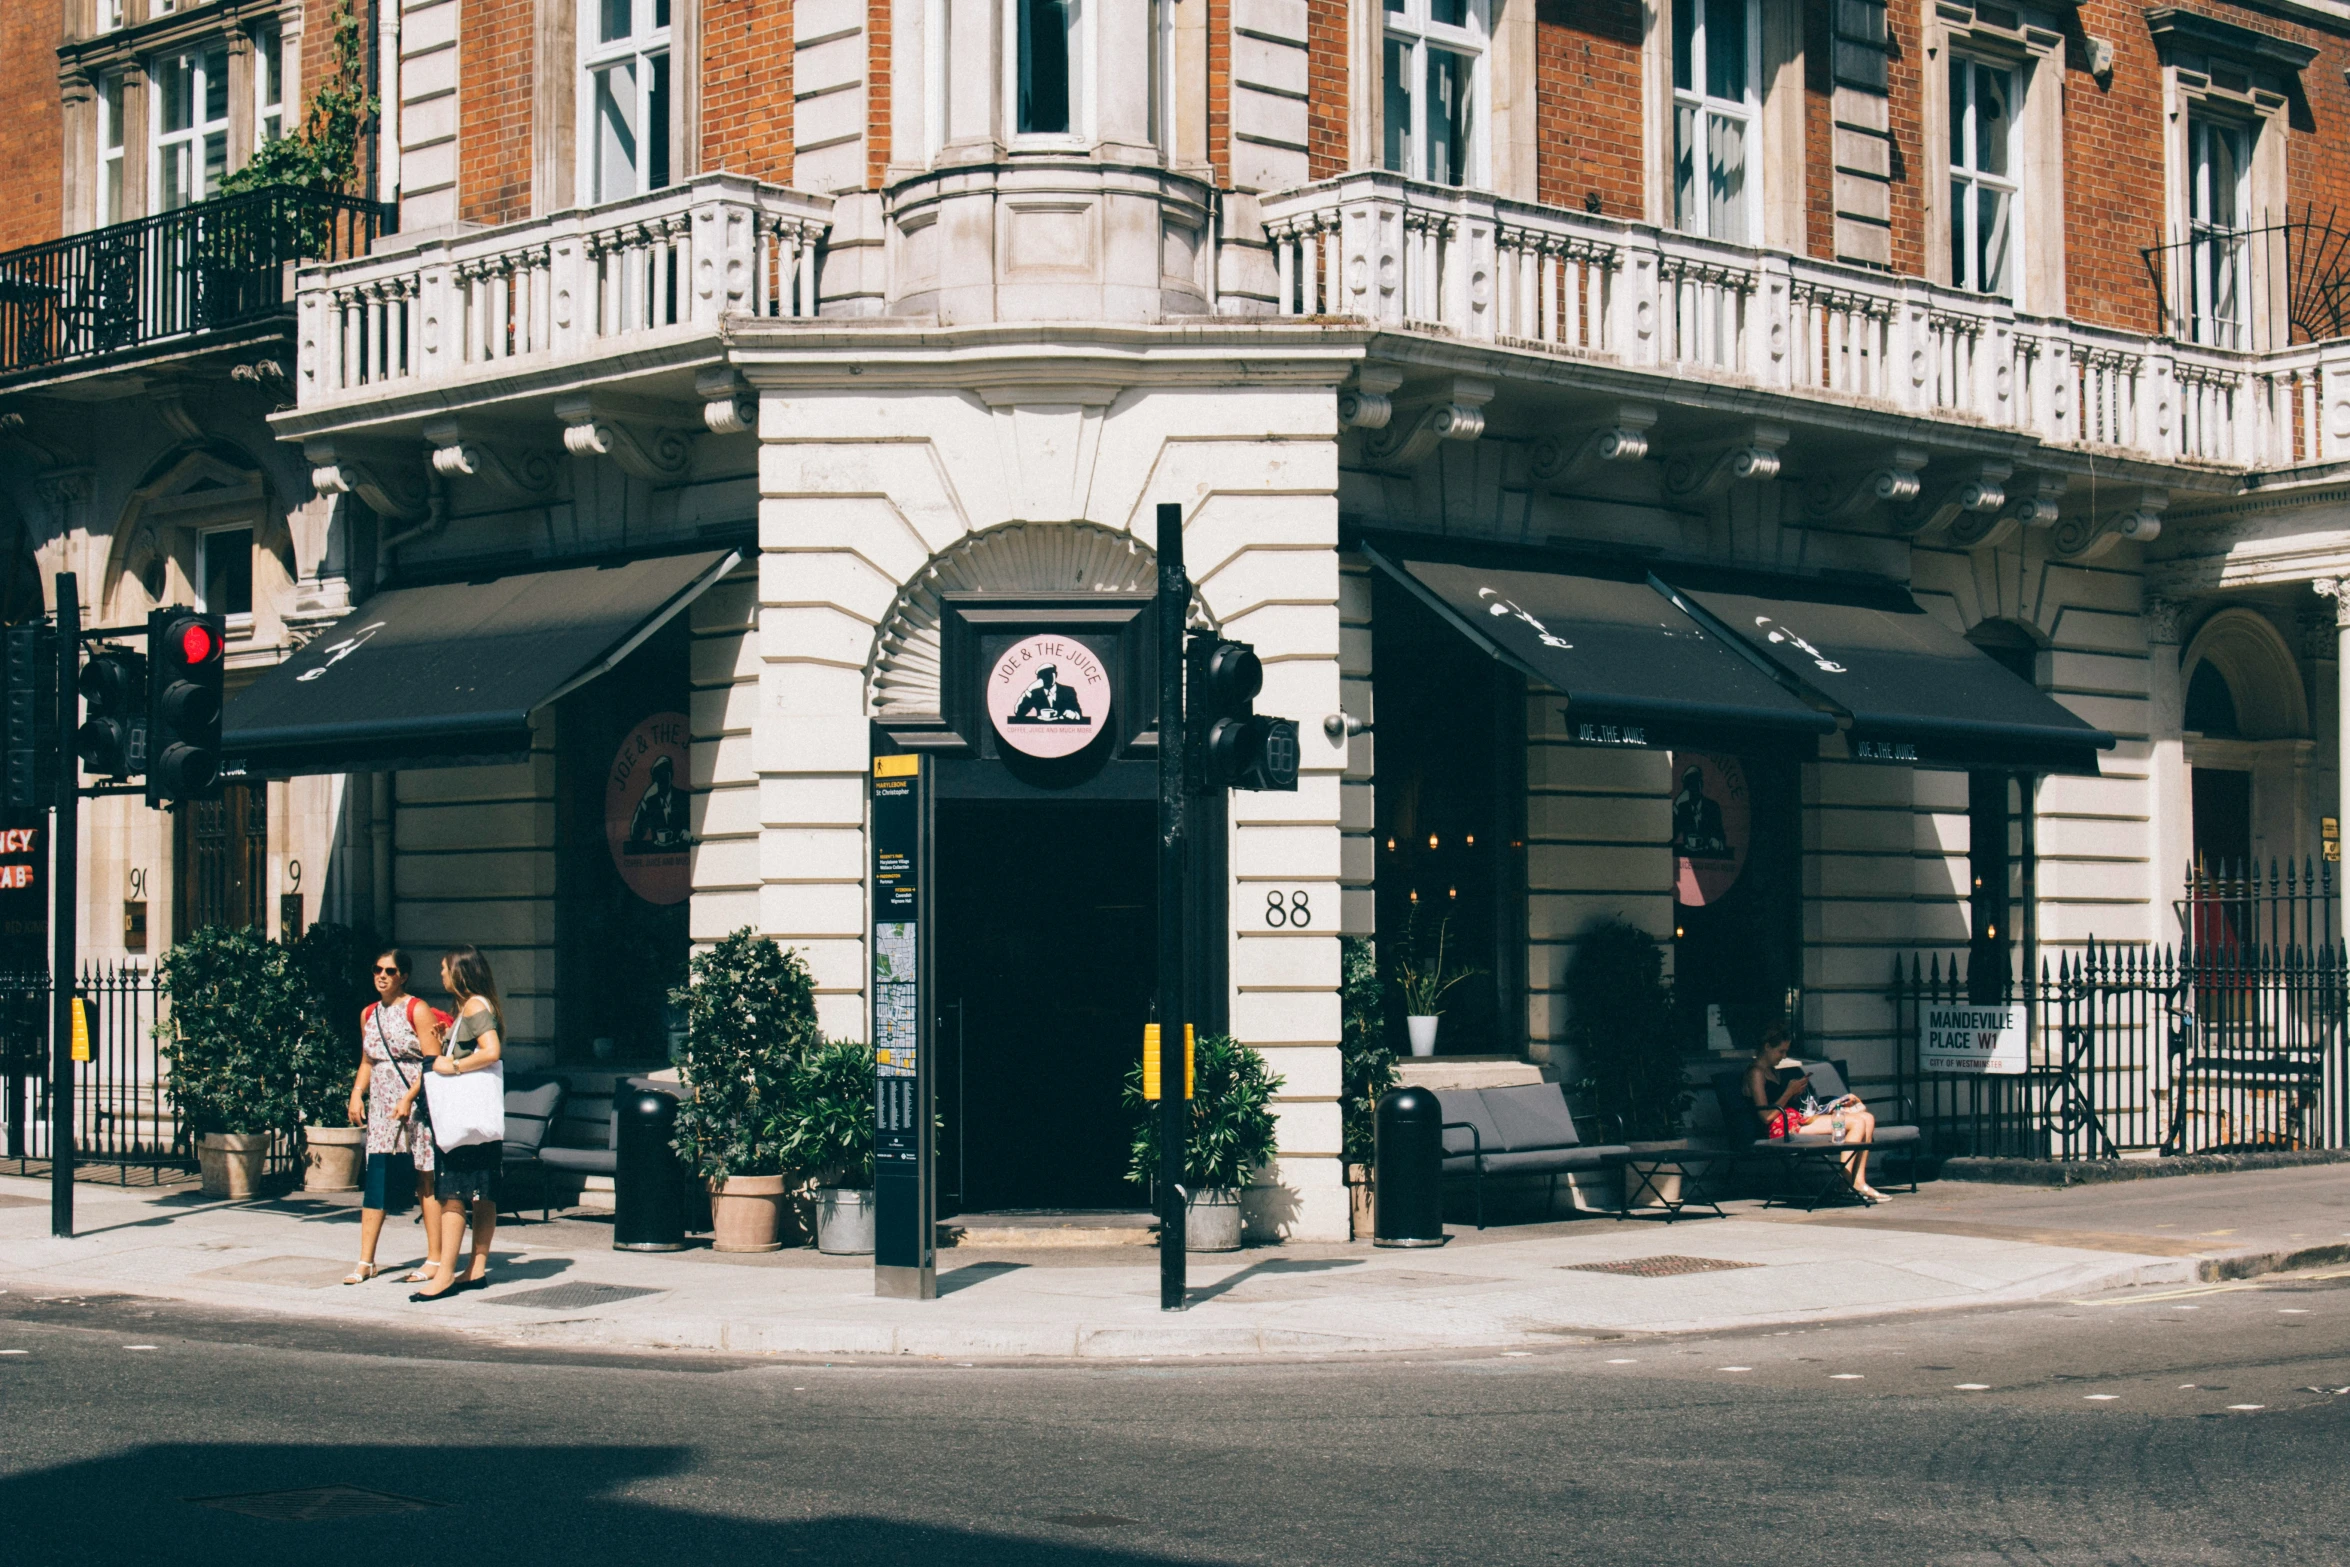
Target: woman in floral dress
<point>399,1035</point>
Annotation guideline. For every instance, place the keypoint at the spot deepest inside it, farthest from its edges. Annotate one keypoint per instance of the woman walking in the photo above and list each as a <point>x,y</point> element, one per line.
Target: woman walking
<point>467,1176</point>
<point>398,1037</point>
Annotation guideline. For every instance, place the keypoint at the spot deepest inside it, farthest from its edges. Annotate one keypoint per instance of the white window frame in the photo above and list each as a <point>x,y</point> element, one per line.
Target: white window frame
<point>1412,26</point>
<point>165,144</point>
<point>1081,77</point>
<point>106,16</point>
<point>2219,293</point>
<point>1967,202</point>
<point>648,39</point>
<point>239,620</point>
<point>1695,215</point>
<point>269,83</point>
<point>113,151</point>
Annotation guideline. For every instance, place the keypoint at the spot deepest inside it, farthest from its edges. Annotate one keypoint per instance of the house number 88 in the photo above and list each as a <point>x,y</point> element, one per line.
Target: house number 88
<point>1294,910</point>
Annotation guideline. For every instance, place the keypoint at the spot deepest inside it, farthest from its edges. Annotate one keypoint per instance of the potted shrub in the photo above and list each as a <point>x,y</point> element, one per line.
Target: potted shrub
<point>1231,1136</point>
<point>233,1015</point>
<point>331,963</point>
<point>1366,1068</point>
<point>1424,979</point>
<point>750,1014</point>
<point>831,1140</point>
<point>1620,1022</point>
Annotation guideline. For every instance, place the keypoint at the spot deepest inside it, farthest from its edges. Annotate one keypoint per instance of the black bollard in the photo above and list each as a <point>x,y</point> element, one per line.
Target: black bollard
<point>1408,1198</point>
<point>648,1205</point>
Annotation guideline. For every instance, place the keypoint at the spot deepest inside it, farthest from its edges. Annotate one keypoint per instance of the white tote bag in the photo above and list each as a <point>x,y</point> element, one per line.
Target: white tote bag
<point>469,1107</point>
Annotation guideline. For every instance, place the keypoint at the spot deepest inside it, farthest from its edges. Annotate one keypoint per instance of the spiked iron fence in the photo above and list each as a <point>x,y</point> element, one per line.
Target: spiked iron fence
<point>2217,1046</point>
<point>124,1119</point>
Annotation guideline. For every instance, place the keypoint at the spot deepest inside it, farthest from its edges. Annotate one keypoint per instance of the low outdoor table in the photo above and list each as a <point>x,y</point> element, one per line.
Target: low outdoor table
<point>1648,1163</point>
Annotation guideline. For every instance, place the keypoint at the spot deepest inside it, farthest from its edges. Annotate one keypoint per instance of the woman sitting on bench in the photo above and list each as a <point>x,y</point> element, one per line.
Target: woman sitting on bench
<point>1774,1107</point>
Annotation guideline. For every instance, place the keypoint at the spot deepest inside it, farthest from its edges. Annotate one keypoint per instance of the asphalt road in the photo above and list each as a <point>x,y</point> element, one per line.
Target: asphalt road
<point>2187,1427</point>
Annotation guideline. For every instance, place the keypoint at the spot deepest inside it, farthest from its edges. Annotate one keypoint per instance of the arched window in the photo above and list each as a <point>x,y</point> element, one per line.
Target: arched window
<point>2211,704</point>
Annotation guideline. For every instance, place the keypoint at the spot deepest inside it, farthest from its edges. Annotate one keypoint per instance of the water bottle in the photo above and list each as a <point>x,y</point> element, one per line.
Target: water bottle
<point>1836,1125</point>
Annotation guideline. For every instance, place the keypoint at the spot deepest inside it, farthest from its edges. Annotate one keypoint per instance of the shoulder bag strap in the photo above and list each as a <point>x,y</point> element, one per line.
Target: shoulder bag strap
<point>391,1056</point>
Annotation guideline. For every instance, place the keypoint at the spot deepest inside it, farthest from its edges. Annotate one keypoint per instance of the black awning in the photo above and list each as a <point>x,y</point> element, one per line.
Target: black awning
<point>1635,670</point>
<point>1915,690</point>
<point>449,675</point>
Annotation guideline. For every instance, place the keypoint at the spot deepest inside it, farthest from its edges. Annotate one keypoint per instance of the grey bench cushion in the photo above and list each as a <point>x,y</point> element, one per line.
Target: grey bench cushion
<point>581,1161</point>
<point>1467,1104</point>
<point>1532,1115</point>
<point>1886,1137</point>
<point>529,1112</point>
<point>1540,1161</point>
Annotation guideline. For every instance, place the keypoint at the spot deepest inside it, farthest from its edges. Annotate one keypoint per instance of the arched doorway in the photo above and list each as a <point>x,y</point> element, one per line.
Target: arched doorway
<point>2245,722</point>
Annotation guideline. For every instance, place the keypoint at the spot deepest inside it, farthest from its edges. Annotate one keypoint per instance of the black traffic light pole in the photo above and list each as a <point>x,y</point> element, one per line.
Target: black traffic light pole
<point>65,848</point>
<point>1174,1107</point>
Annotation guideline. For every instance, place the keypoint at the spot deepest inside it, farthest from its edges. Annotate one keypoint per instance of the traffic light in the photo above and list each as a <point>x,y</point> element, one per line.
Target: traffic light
<point>1235,746</point>
<point>32,717</point>
<point>112,741</point>
<point>184,658</point>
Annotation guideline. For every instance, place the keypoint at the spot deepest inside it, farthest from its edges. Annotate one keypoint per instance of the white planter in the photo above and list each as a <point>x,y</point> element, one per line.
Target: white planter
<point>844,1221</point>
<point>333,1158</point>
<point>232,1162</point>
<point>1423,1032</point>
<point>1211,1221</point>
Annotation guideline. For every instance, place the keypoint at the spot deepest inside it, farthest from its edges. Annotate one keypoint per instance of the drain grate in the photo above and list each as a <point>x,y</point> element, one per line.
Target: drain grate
<point>1657,1267</point>
<point>316,1504</point>
<point>569,1297</point>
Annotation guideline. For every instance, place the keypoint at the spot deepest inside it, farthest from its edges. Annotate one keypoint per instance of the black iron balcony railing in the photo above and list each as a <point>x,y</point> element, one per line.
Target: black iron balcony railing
<point>217,264</point>
<point>2226,287</point>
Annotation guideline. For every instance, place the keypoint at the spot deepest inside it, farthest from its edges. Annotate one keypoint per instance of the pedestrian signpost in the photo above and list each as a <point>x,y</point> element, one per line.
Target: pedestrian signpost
<point>905,1221</point>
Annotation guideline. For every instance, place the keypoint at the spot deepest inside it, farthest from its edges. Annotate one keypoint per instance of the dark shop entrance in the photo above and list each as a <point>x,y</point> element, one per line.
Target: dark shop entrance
<point>1047,929</point>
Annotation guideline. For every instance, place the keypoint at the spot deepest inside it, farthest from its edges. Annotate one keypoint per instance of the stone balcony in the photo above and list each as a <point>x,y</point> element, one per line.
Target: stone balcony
<point>1811,337</point>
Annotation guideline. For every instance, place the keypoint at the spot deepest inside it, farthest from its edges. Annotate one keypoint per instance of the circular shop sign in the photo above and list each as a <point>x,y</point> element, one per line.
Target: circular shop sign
<point>1048,696</point>
<point>1712,826</point>
<point>647,815</point>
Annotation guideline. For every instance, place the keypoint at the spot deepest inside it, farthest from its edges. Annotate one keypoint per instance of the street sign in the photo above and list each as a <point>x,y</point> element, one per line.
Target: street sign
<point>1974,1041</point>
<point>905,1227</point>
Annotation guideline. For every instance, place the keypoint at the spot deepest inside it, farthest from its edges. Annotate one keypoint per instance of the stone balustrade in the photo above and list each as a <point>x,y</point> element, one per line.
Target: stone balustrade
<point>1425,258</point>
<point>557,291</point>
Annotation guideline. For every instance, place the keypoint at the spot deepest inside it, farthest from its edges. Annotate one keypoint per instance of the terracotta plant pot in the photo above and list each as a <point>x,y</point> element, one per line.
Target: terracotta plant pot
<point>231,1162</point>
<point>1211,1220</point>
<point>746,1213</point>
<point>333,1158</point>
<point>844,1221</point>
<point>1423,1033</point>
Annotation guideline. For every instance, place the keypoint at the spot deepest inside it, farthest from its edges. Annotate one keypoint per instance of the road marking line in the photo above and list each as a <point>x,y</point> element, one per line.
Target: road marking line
<point>2101,1398</point>
<point>1513,1354</point>
<point>138,1346</point>
<point>1733,1368</point>
<point>2247,1406</point>
<point>1612,1362</point>
<point>1972,1387</point>
<point>2292,1311</point>
<point>1846,1376</point>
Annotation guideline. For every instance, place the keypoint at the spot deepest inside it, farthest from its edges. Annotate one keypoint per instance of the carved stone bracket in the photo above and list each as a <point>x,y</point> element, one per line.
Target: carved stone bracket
<point>1625,439</point>
<point>728,407</point>
<point>1460,417</point>
<point>2163,619</point>
<point>171,407</point>
<point>2085,538</point>
<point>2337,589</point>
<point>1693,476</point>
<point>390,489</point>
<point>1894,482</point>
<point>1972,489</point>
<point>647,451</point>
<point>525,473</point>
<point>1370,403</point>
<point>2030,504</point>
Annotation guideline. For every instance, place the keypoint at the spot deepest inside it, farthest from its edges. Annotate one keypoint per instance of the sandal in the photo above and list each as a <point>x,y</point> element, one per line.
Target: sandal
<point>362,1273</point>
<point>421,1275</point>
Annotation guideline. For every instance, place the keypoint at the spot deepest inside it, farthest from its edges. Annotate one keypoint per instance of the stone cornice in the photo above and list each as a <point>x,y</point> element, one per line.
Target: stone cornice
<point>882,351</point>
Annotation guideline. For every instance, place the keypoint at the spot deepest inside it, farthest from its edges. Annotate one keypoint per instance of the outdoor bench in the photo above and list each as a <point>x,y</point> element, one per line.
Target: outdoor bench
<point>1525,1130</point>
<point>1815,1156</point>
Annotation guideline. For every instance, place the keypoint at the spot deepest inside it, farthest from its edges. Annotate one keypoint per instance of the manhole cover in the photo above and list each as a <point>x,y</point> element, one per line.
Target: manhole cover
<point>1657,1267</point>
<point>296,1272</point>
<point>569,1297</point>
<point>316,1504</point>
<point>1092,1521</point>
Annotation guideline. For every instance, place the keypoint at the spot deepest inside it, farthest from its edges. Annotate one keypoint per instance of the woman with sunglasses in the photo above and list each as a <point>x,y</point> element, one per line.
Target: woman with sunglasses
<point>399,1037</point>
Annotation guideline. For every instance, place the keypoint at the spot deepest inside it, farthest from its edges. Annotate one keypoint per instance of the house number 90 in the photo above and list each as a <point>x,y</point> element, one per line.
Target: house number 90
<point>1294,910</point>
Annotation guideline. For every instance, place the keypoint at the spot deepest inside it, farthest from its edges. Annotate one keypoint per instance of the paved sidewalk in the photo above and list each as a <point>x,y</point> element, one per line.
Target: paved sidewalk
<point>1952,1246</point>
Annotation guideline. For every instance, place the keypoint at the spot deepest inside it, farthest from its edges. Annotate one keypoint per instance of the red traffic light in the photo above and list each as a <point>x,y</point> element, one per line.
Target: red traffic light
<point>197,643</point>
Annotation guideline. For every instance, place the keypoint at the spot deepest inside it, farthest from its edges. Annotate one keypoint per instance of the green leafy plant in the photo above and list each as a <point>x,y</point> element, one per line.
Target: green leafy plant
<point>236,1010</point>
<point>1421,973</point>
<point>1366,1060</point>
<point>324,153</point>
<point>332,963</point>
<point>1620,1021</point>
<point>1231,1117</point>
<point>750,1017</point>
<point>829,1132</point>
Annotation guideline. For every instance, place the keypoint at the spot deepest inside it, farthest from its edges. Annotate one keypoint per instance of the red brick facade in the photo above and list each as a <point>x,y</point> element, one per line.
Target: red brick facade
<point>1327,103</point>
<point>32,142</point>
<point>1588,105</point>
<point>1220,89</point>
<point>877,93</point>
<point>496,59</point>
<point>747,88</point>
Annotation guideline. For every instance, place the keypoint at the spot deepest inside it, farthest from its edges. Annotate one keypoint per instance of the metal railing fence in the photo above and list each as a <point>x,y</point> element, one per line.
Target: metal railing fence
<point>2223,1047</point>
<point>123,1116</point>
<point>216,264</point>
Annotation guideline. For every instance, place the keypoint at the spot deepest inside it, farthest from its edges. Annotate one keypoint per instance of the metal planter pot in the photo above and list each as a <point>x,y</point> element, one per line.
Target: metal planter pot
<point>1211,1221</point>
<point>844,1221</point>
